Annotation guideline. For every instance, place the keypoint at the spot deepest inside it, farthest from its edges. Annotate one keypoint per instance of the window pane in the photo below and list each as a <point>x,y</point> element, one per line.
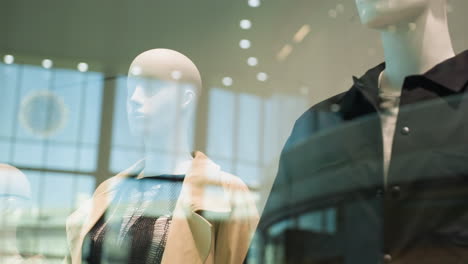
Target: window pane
<point>249,128</point>
<point>221,123</point>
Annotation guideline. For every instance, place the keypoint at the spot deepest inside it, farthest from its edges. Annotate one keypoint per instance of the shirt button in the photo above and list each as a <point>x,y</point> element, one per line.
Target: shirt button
<point>405,131</point>
<point>387,258</point>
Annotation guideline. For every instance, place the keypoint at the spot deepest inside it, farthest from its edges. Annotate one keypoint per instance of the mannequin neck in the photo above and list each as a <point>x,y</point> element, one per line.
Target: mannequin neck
<point>414,47</point>
<point>168,153</point>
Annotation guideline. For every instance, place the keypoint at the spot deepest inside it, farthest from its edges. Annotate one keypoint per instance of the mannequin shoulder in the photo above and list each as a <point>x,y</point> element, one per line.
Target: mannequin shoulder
<point>327,106</point>
<point>85,208</point>
<point>320,116</point>
<point>233,182</point>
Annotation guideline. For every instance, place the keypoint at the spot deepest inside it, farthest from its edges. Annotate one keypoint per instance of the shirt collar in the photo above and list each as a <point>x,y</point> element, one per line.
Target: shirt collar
<point>451,75</point>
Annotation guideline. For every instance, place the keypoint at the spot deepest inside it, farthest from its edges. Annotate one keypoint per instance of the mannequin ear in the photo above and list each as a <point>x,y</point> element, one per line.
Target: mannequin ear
<point>188,98</point>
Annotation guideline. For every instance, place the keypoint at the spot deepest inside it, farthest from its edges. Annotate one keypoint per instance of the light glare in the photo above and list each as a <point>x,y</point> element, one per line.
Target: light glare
<point>245,24</point>
<point>252,61</point>
<point>176,75</point>
<point>245,44</point>
<point>8,59</point>
<point>47,63</point>
<point>82,67</point>
<point>227,81</point>
<point>136,70</point>
<point>261,76</point>
<point>254,3</point>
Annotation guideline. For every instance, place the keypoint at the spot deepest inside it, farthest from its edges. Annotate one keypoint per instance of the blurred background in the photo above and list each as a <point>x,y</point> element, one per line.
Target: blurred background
<point>263,63</point>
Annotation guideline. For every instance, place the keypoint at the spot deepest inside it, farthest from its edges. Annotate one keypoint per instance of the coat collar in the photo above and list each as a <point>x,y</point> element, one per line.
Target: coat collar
<point>448,77</point>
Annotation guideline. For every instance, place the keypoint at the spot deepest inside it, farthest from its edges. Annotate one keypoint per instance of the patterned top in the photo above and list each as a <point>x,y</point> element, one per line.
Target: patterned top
<point>134,228</point>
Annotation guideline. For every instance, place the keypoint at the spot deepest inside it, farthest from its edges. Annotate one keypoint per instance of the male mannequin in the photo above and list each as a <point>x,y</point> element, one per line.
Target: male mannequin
<point>196,212</point>
<point>389,155</point>
<point>415,38</point>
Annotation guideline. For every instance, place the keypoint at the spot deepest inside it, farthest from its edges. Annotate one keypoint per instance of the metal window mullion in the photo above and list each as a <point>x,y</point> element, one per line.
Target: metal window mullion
<point>235,139</point>
<point>105,132</point>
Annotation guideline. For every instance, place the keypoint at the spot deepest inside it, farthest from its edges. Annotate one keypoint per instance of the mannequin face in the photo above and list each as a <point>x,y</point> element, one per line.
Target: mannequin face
<point>381,13</point>
<point>162,86</point>
<point>153,105</point>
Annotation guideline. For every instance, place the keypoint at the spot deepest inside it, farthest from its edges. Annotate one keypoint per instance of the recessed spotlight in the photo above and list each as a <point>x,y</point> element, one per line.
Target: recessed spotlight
<point>252,61</point>
<point>8,59</point>
<point>254,3</point>
<point>245,44</point>
<point>227,81</point>
<point>82,67</point>
<point>47,63</point>
<point>261,76</point>
<point>245,24</point>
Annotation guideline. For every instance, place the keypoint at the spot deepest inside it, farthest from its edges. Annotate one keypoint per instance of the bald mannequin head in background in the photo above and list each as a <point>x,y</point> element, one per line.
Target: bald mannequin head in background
<point>163,85</point>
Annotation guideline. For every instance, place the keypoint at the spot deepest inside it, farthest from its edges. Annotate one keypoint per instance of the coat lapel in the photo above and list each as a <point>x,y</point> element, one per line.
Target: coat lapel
<point>100,202</point>
<point>191,236</point>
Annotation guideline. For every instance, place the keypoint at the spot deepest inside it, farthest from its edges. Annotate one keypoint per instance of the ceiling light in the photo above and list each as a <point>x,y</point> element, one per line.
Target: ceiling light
<point>254,3</point>
<point>245,44</point>
<point>252,61</point>
<point>245,24</point>
<point>261,76</point>
<point>8,59</point>
<point>227,81</point>
<point>47,63</point>
<point>82,67</point>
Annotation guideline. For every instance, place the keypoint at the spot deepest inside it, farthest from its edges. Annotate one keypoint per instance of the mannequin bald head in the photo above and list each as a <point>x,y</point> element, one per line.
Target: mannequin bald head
<point>15,195</point>
<point>378,14</point>
<point>13,183</point>
<point>165,65</point>
<point>163,87</point>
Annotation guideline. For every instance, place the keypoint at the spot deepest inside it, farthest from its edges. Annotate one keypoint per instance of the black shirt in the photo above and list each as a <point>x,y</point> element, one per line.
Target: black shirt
<point>333,159</point>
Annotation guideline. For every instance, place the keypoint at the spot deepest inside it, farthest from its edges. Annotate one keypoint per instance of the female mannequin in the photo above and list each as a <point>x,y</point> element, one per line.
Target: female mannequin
<point>183,211</point>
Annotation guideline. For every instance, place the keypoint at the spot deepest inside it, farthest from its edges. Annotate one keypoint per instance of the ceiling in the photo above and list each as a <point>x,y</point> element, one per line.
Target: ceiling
<point>108,34</point>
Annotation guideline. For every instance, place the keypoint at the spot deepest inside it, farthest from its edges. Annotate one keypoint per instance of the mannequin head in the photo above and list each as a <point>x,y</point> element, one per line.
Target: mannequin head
<point>15,193</point>
<point>163,86</point>
<point>378,14</point>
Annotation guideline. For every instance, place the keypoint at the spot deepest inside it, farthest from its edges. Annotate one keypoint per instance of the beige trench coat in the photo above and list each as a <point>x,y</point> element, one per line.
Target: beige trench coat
<point>221,236</point>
